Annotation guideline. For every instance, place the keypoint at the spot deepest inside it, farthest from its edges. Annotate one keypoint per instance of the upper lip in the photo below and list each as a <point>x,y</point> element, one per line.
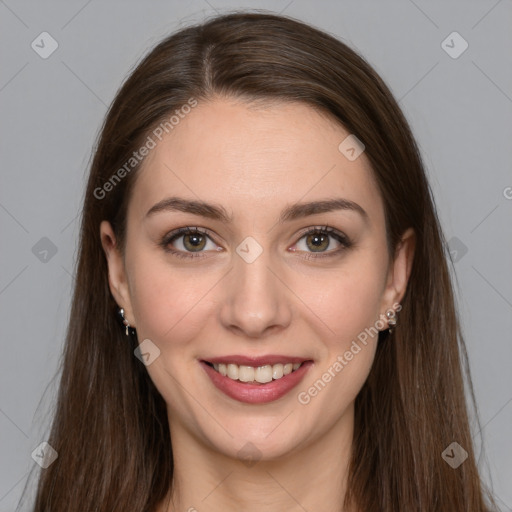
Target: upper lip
<point>270,359</point>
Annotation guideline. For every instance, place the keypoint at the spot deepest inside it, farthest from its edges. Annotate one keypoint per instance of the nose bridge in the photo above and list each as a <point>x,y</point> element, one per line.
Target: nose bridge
<point>254,280</point>
<point>255,299</point>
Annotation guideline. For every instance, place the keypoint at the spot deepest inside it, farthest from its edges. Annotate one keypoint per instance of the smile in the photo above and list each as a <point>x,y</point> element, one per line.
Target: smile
<point>261,374</point>
<point>256,380</point>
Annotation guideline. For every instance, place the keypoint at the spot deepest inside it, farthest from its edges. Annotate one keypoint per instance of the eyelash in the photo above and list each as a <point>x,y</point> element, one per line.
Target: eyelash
<point>316,230</point>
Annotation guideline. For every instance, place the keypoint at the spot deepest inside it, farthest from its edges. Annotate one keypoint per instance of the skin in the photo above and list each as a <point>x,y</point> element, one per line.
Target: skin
<point>255,161</point>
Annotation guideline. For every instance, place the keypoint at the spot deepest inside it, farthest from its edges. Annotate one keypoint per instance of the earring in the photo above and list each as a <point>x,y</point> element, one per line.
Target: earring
<point>129,328</point>
<point>391,315</point>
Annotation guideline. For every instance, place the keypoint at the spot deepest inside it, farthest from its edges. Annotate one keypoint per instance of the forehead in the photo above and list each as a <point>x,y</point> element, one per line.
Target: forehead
<point>253,159</point>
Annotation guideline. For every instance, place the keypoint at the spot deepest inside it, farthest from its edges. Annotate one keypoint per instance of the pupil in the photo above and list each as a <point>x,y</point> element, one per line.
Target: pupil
<point>318,241</point>
<point>193,241</point>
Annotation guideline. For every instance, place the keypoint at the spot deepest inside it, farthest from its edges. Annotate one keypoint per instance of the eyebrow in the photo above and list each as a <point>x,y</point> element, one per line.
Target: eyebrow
<point>293,212</point>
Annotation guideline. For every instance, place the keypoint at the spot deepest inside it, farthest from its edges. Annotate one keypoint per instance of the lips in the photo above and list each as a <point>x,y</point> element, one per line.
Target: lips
<point>256,379</point>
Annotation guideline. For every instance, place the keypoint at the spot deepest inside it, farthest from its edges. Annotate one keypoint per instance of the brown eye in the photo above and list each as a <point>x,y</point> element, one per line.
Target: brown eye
<point>188,241</point>
<point>194,242</point>
<point>317,242</point>
<point>322,241</point>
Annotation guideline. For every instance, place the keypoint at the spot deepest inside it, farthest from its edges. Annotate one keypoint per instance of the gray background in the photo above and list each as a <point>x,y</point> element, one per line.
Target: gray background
<point>51,109</point>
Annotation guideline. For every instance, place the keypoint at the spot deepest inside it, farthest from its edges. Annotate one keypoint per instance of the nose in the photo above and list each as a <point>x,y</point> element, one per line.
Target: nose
<point>256,301</point>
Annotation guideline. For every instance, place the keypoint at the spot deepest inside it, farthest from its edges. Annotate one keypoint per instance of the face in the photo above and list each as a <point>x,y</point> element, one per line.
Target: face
<point>281,260</point>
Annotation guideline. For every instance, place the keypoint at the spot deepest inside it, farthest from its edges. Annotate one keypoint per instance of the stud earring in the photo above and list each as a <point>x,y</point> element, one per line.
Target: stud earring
<point>129,328</point>
<point>391,315</point>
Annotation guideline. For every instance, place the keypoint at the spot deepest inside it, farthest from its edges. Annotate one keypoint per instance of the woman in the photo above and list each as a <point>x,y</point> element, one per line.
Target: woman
<point>263,316</point>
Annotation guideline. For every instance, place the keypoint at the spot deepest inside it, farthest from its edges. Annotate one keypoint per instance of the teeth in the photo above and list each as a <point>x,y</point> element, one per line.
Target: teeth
<point>246,373</point>
<point>261,374</point>
<point>277,371</point>
<point>232,371</point>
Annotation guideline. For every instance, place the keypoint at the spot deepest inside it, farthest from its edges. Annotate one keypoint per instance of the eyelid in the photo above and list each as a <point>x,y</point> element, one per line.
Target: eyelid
<point>186,230</point>
<point>322,229</point>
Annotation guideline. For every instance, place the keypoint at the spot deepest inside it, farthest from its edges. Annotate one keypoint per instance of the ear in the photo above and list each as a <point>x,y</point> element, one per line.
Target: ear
<point>117,279</point>
<point>399,271</point>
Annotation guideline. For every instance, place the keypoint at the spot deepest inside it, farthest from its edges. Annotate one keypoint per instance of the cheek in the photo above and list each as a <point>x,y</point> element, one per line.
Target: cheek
<point>169,303</point>
<point>350,308</point>
<point>346,301</point>
<point>328,394</point>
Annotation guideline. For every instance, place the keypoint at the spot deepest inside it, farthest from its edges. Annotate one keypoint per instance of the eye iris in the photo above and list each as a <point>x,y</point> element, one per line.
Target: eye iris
<point>320,241</point>
<point>194,241</point>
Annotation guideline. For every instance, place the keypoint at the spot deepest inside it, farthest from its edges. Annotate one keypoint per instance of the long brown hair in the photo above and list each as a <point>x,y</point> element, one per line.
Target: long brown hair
<point>110,427</point>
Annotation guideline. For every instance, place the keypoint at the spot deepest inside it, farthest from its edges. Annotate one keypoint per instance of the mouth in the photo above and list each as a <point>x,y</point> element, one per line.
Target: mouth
<point>254,375</point>
<point>256,380</point>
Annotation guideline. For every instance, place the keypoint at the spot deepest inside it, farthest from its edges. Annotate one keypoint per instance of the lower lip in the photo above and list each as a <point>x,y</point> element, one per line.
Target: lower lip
<point>256,393</point>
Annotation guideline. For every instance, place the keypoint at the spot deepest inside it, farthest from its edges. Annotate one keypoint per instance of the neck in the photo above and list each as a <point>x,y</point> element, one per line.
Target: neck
<point>312,478</point>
